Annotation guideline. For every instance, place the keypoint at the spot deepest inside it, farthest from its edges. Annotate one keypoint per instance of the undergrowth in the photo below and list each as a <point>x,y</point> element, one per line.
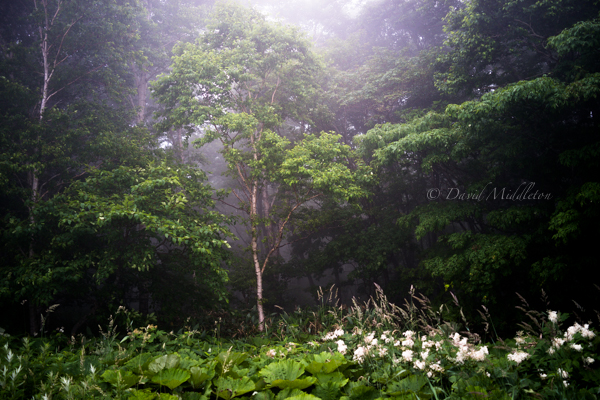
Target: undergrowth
<point>371,350</point>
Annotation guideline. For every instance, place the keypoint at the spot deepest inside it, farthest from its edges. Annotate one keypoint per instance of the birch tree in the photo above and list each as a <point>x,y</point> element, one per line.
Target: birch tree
<point>63,63</point>
<point>243,83</point>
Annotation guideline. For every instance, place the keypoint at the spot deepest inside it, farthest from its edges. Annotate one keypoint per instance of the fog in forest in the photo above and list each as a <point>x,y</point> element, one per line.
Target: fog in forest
<point>191,159</point>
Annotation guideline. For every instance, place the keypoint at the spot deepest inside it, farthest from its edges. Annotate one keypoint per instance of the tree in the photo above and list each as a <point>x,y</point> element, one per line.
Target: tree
<point>66,64</point>
<point>247,82</point>
<point>493,43</point>
<point>481,159</point>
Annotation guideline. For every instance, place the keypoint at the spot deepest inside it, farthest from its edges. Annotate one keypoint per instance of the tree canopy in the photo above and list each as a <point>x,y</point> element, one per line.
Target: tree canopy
<point>448,145</point>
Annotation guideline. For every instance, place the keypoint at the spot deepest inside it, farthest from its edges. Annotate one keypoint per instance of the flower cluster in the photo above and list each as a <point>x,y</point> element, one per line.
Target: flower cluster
<point>584,330</point>
<point>432,355</point>
<point>467,351</point>
<point>341,346</point>
<point>518,356</point>
<point>370,343</point>
<point>333,335</point>
<point>569,336</point>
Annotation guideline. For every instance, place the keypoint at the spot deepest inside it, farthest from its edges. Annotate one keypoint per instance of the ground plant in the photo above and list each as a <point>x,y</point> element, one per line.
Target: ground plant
<point>373,350</point>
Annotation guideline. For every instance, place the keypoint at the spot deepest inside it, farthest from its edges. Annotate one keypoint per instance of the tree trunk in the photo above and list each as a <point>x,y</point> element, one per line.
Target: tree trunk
<point>257,269</point>
<point>34,320</point>
<point>142,95</point>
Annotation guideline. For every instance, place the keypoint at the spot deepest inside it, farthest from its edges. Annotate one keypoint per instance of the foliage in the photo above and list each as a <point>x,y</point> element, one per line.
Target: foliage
<point>493,43</point>
<point>491,210</point>
<point>240,82</point>
<point>545,360</point>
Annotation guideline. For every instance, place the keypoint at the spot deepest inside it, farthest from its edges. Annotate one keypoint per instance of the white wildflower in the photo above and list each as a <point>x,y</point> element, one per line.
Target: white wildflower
<point>562,373</point>
<point>518,356</point>
<point>370,338</point>
<point>333,335</point>
<point>566,383</point>
<point>407,355</point>
<point>557,342</point>
<point>588,360</point>
<point>576,347</point>
<point>382,351</point>
<point>480,354</point>
<point>408,342</point>
<point>425,354</point>
<point>553,316</point>
<point>271,353</point>
<point>543,376</point>
<point>420,364</point>
<point>519,340</point>
<point>359,354</point>
<point>572,330</point>
<point>586,332</point>
<point>341,346</point>
<point>436,367</point>
<point>462,355</point>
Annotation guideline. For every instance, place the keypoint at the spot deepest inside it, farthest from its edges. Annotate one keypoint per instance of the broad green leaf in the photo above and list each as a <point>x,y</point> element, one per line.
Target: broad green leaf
<point>326,363</point>
<point>228,388</point>
<point>410,385</point>
<point>287,393</point>
<point>167,396</point>
<point>139,363</point>
<point>145,394</point>
<point>228,359</point>
<point>164,362</point>
<point>282,370</point>
<point>194,396</point>
<point>335,378</point>
<point>359,391</point>
<point>295,384</point>
<point>199,375</point>
<point>120,378</point>
<point>171,378</point>
<point>264,395</point>
<point>304,396</point>
<point>328,391</point>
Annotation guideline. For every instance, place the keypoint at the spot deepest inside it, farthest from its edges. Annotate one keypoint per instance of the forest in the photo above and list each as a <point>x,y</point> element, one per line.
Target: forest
<point>280,169</point>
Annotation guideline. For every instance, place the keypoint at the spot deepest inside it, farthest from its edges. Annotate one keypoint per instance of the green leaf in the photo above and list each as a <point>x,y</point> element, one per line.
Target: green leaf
<point>139,363</point>
<point>145,394</point>
<point>164,362</point>
<point>171,378</point>
<point>326,363</point>
<point>120,378</point>
<point>228,388</point>
<point>410,385</point>
<point>328,391</point>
